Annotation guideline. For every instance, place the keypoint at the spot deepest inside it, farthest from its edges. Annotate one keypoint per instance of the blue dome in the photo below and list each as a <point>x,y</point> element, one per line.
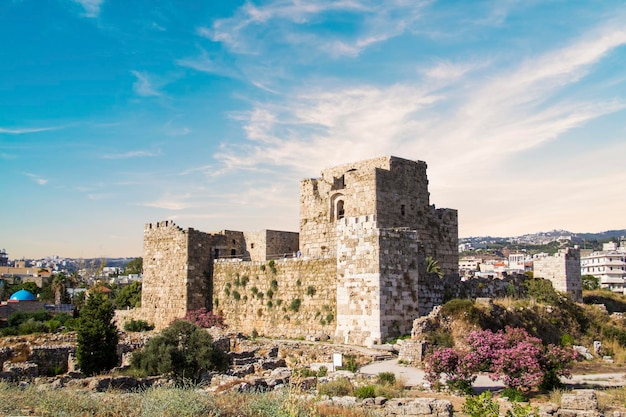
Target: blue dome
<point>23,295</point>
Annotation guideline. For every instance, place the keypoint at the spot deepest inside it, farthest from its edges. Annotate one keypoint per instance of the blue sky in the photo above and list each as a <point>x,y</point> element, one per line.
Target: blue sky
<point>118,113</point>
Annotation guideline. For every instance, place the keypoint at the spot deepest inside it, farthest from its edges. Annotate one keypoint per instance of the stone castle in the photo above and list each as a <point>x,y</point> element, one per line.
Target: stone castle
<point>354,272</point>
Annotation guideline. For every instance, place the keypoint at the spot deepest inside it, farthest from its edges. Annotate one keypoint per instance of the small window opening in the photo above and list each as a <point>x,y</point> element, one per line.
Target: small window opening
<point>233,252</point>
<point>216,253</point>
<point>402,209</point>
<point>251,245</point>
<point>340,210</point>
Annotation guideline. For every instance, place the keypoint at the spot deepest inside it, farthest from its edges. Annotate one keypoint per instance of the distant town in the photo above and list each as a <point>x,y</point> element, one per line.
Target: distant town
<point>602,256</point>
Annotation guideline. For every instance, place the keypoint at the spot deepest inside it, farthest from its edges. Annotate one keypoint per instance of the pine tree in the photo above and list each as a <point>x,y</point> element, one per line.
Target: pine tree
<point>96,336</point>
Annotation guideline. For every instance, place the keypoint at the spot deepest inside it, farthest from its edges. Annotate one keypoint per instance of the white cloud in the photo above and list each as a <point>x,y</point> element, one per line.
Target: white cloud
<point>92,7</point>
<point>492,114</point>
<point>22,131</point>
<point>132,154</point>
<point>170,202</point>
<point>143,86</point>
<point>286,19</point>
<point>38,179</point>
<point>205,63</point>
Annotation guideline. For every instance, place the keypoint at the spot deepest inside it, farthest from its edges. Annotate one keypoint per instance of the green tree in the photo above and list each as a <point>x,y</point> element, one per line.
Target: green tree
<point>184,350</point>
<point>58,286</point>
<point>129,296</point>
<point>134,267</point>
<point>590,282</point>
<point>433,267</point>
<point>96,335</point>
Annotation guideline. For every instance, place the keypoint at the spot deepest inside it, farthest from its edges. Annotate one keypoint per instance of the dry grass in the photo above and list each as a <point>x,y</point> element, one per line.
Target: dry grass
<point>611,399</point>
<point>168,402</point>
<point>618,351</point>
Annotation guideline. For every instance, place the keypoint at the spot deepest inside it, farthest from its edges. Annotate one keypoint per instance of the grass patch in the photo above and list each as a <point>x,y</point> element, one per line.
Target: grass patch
<point>168,402</point>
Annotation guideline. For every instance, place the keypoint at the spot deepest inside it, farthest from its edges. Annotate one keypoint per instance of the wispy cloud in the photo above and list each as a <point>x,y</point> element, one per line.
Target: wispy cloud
<point>22,131</point>
<point>287,20</point>
<point>92,7</point>
<point>143,86</point>
<point>38,179</point>
<point>170,202</point>
<point>497,112</point>
<point>132,154</point>
<point>206,63</point>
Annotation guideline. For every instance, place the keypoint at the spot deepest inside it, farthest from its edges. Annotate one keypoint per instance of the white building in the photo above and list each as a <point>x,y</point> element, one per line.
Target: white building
<point>608,265</point>
<point>563,270</point>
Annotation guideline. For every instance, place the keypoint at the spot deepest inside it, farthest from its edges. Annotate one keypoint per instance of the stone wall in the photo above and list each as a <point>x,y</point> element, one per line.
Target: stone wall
<point>399,276</point>
<point>270,244</point>
<point>287,297</point>
<point>51,360</point>
<point>358,282</point>
<point>563,270</point>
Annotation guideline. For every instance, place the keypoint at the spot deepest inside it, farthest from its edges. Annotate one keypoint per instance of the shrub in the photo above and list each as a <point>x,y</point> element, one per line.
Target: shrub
<point>481,406</point>
<point>349,363</point>
<point>386,378</point>
<point>323,371</point>
<point>542,291</point>
<point>96,335</point>
<point>463,309</point>
<point>206,319</point>
<point>184,350</point>
<point>137,326</point>
<point>514,395</point>
<point>520,360</point>
<point>340,387</point>
<point>310,291</point>
<point>295,305</point>
<point>366,391</point>
<point>236,295</point>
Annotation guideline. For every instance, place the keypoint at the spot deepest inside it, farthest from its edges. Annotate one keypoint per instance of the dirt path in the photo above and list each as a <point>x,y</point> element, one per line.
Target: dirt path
<point>414,377</point>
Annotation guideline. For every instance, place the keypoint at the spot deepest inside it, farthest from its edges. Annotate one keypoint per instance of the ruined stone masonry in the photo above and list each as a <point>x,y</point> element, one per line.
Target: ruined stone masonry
<point>353,272</point>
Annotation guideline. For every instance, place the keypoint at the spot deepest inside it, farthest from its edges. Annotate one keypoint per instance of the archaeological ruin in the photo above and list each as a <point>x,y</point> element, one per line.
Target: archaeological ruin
<point>355,272</point>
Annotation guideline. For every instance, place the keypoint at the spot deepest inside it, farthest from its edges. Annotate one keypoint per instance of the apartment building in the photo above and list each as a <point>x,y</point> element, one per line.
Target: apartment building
<point>608,265</point>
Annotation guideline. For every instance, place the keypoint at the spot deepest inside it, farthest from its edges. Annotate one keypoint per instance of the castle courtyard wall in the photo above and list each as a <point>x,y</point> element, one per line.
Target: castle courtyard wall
<point>262,296</point>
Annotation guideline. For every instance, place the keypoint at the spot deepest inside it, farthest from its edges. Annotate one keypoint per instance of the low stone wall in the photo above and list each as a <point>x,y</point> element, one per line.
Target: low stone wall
<point>52,360</point>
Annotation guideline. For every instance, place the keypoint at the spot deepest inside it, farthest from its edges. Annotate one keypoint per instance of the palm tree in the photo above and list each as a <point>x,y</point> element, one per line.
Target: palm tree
<point>433,267</point>
<point>58,286</point>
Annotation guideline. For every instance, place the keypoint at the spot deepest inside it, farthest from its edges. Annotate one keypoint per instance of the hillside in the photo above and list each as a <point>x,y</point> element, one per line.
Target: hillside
<point>543,313</point>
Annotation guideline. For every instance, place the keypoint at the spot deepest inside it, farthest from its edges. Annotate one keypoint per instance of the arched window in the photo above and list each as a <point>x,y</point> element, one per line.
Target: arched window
<point>340,210</point>
<point>337,207</point>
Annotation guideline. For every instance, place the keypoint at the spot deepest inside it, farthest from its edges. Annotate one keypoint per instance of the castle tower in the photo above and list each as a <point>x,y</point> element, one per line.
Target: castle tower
<point>389,190</point>
<point>177,268</point>
<point>375,217</point>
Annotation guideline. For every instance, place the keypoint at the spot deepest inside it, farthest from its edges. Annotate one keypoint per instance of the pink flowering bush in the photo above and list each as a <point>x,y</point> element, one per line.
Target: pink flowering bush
<point>454,367</point>
<point>206,319</point>
<point>520,360</point>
